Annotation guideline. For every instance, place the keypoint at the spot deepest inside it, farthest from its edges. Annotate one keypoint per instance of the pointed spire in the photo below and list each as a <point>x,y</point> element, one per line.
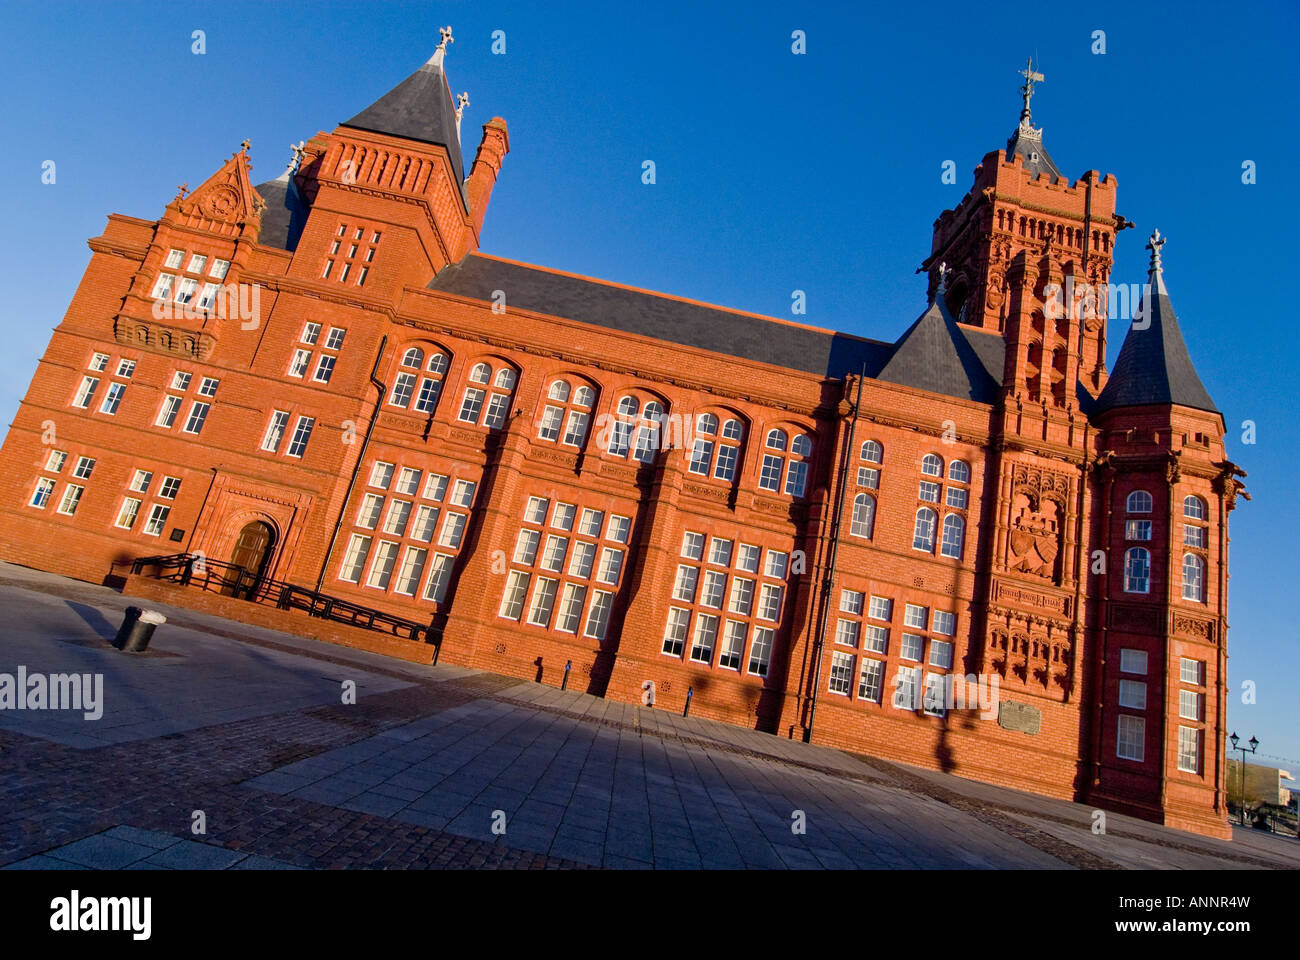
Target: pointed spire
<point>1027,140</point>
<point>1027,91</point>
<point>419,108</point>
<point>1154,367</point>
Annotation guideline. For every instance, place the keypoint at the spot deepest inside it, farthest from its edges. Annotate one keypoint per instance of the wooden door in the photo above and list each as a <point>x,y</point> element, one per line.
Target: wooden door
<point>252,551</point>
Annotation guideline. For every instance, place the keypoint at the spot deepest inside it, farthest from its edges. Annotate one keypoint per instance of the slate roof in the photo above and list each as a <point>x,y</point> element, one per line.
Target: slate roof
<point>979,356</point>
<point>935,354</point>
<point>285,213</point>
<point>419,108</point>
<point>1154,366</point>
<point>1029,144</point>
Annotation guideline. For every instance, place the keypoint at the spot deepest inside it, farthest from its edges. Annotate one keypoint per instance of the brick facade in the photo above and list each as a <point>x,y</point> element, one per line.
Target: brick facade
<point>416,493</point>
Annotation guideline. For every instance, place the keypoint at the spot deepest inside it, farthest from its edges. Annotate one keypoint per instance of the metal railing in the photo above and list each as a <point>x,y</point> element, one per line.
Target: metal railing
<point>191,570</point>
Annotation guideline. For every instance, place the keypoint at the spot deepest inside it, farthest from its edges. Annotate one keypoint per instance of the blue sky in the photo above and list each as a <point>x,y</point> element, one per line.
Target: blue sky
<point>775,172</point>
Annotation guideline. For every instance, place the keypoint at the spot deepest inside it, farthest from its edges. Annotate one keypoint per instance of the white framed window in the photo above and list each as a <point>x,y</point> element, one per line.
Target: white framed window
<point>86,392</point>
<point>1194,536</point>
<point>426,518</point>
<point>1139,501</point>
<point>334,339</point>
<point>412,569</point>
<point>776,564</point>
<point>915,615</point>
<point>928,492</point>
<point>871,680</point>
<point>219,269</point>
<point>570,615</point>
<point>435,588</point>
<point>675,631</point>
<point>693,546</point>
<point>1133,694</point>
<point>846,633</point>
<point>324,368</point>
<point>875,639</point>
<point>197,262</point>
<point>912,647</point>
<point>162,288</point>
<point>408,482</point>
<point>956,498</point>
<point>198,416</point>
<point>186,289</point>
<point>760,651</point>
<point>372,506</point>
<point>1191,671</point>
<point>1194,508</point>
<point>453,529</point>
<point>181,381</point>
<point>209,295</point>
<point>539,613</point>
<point>99,362</point>
<point>275,431</point>
<point>864,516</point>
<point>1131,741</point>
<point>706,634</point>
<point>944,622</point>
<point>301,434</point>
<point>1137,529</point>
<point>852,601</point>
<point>170,487</point>
<point>41,495</point>
<point>954,536</point>
<point>712,590</point>
<point>598,614</point>
<point>684,585</point>
<point>71,498</point>
<point>932,465</point>
<point>563,515</point>
<point>399,514</point>
<point>1133,661</point>
<point>941,654</point>
<point>435,487</point>
<point>381,475</point>
<point>907,683</point>
<point>113,398</point>
<point>592,521</point>
<point>881,608</point>
<point>1193,578</point>
<point>157,519</point>
<point>611,564</point>
<point>462,494</point>
<point>935,701</point>
<point>125,368</point>
<point>526,545</point>
<point>1137,570</point>
<point>923,531</point>
<point>747,558</point>
<point>769,602</point>
<point>583,559</point>
<point>140,481</point>
<point>85,466</point>
<point>381,568</point>
<point>55,461</point>
<point>1189,749</point>
<point>869,477</point>
<point>1191,705</point>
<point>310,333</point>
<point>841,673</point>
<point>553,557</point>
<point>535,512</point>
<point>126,515</point>
<point>720,552</point>
<point>733,645</point>
<point>300,362</point>
<point>174,259</point>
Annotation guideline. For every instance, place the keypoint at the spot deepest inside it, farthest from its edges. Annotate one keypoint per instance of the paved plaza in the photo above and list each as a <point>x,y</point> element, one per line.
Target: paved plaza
<point>245,732</point>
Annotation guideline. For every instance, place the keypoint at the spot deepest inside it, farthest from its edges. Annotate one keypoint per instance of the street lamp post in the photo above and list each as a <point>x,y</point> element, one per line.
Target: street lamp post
<point>1253,744</point>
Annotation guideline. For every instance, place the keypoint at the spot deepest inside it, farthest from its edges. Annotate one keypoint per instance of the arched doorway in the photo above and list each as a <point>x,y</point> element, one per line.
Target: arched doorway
<point>251,553</point>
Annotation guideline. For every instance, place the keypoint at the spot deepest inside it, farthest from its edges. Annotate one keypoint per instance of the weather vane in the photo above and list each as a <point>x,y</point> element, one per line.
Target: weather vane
<point>1027,91</point>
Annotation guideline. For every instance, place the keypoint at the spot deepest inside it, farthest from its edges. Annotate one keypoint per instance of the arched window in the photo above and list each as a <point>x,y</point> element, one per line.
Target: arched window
<point>923,533</point>
<point>429,386</point>
<point>932,465</point>
<point>1139,501</point>
<point>958,497</point>
<point>1194,508</point>
<point>1193,578</point>
<point>716,447</point>
<point>643,422</point>
<point>793,464</point>
<point>576,403</point>
<point>1137,570</point>
<point>486,405</point>
<point>959,471</point>
<point>873,452</point>
<point>954,535</point>
<point>864,516</point>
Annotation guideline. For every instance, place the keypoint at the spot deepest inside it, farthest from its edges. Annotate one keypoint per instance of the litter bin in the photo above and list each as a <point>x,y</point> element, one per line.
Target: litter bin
<point>137,629</point>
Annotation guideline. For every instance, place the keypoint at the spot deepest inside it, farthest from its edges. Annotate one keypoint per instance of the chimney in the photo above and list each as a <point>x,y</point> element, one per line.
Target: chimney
<point>492,150</point>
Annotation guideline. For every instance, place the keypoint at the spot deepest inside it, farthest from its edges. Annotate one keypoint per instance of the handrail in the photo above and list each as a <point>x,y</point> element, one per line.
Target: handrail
<point>189,569</point>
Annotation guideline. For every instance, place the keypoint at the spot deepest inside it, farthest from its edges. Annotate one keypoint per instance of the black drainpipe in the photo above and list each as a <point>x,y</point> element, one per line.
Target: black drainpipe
<point>361,458</point>
<point>829,580</point>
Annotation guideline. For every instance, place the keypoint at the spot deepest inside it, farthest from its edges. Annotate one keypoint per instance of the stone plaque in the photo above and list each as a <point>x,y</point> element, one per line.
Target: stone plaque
<point>1019,716</point>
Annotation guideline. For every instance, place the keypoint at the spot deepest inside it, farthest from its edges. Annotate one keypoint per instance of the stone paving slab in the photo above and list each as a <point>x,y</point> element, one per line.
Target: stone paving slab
<point>429,763</point>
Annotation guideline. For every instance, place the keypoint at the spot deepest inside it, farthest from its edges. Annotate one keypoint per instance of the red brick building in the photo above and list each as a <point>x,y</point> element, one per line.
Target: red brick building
<point>320,381</point>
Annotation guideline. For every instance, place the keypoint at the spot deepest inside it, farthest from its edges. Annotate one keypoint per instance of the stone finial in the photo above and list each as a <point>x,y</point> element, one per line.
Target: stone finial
<point>441,51</point>
<point>1154,244</point>
<point>943,281</point>
<point>298,151</point>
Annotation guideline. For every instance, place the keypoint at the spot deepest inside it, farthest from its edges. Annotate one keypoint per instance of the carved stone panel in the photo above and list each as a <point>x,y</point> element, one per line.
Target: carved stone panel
<point>1020,717</point>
